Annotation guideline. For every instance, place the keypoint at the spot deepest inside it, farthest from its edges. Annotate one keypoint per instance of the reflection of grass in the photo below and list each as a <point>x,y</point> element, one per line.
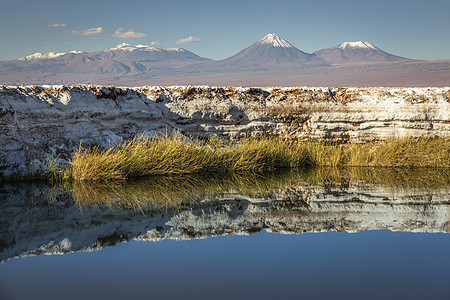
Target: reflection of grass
<point>172,192</point>
<point>143,156</point>
<point>419,179</point>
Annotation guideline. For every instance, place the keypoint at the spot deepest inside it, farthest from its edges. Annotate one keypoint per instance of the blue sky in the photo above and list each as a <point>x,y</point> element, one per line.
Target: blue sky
<point>219,29</point>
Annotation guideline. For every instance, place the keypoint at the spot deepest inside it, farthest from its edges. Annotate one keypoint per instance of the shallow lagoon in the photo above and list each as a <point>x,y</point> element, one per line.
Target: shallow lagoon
<point>367,265</point>
<point>280,236</point>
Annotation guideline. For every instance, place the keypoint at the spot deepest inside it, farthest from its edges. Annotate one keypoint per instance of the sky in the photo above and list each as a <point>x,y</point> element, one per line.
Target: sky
<point>219,29</point>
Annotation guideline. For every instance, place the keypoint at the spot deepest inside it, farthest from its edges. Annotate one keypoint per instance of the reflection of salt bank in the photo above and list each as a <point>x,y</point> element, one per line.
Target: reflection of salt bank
<point>32,225</point>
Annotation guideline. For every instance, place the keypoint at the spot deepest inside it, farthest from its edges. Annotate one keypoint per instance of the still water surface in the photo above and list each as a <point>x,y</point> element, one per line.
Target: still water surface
<point>288,236</point>
<point>367,265</point>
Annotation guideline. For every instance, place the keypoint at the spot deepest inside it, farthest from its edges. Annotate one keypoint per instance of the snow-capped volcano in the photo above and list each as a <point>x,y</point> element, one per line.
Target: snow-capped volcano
<point>357,45</point>
<point>275,40</point>
<point>357,52</point>
<point>271,51</point>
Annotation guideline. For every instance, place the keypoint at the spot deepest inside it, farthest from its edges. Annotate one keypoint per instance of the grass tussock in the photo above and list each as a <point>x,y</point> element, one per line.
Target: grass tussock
<point>396,152</point>
<point>175,155</point>
<point>141,156</point>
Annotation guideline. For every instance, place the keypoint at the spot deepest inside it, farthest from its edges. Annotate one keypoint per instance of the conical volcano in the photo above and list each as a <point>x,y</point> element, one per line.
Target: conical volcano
<point>272,51</point>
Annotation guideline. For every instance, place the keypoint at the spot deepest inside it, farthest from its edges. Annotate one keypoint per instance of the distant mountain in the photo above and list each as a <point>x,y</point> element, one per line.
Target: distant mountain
<point>39,55</point>
<point>357,52</point>
<point>269,61</point>
<point>271,51</point>
<point>119,60</point>
<point>142,53</point>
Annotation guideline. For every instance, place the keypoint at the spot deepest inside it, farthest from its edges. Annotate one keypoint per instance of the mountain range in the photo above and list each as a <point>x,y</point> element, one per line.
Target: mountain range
<point>269,57</point>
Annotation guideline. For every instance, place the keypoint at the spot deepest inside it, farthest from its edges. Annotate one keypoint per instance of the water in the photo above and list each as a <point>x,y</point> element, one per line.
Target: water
<point>321,235</point>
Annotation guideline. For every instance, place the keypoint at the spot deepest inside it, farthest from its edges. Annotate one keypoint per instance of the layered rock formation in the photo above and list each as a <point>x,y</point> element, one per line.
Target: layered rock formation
<point>42,122</point>
<point>34,219</point>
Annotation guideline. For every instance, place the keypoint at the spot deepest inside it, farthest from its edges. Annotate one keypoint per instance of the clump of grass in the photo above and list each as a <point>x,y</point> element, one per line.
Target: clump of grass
<point>400,152</point>
<point>175,155</point>
<point>257,155</point>
<point>395,152</point>
<point>141,156</point>
<point>54,170</point>
<point>408,152</point>
<point>319,153</point>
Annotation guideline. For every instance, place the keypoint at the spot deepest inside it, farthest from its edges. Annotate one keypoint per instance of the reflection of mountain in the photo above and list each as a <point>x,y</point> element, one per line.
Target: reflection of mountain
<point>36,219</point>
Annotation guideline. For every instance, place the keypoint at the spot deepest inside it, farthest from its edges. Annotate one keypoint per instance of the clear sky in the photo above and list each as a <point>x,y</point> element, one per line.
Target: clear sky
<point>218,29</point>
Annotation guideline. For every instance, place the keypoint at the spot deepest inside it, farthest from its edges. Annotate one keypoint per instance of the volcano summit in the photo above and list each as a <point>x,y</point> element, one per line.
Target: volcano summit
<point>272,51</point>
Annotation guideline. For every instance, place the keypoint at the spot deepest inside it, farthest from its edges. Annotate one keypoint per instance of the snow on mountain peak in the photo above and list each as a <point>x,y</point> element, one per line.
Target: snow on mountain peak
<point>39,55</point>
<point>275,40</point>
<point>175,49</point>
<point>356,45</point>
<point>123,45</point>
<point>128,47</point>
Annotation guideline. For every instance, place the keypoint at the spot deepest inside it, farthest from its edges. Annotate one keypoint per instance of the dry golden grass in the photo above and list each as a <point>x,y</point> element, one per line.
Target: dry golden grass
<point>257,155</point>
<point>396,152</point>
<point>141,156</point>
<point>174,155</point>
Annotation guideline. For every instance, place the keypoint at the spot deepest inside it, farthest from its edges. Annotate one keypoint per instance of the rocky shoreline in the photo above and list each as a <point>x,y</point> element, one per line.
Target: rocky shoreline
<point>38,123</point>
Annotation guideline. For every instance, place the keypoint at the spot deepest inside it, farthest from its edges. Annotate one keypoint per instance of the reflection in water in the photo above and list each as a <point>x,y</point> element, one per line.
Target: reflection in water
<point>162,191</point>
<point>171,192</point>
<point>36,218</point>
